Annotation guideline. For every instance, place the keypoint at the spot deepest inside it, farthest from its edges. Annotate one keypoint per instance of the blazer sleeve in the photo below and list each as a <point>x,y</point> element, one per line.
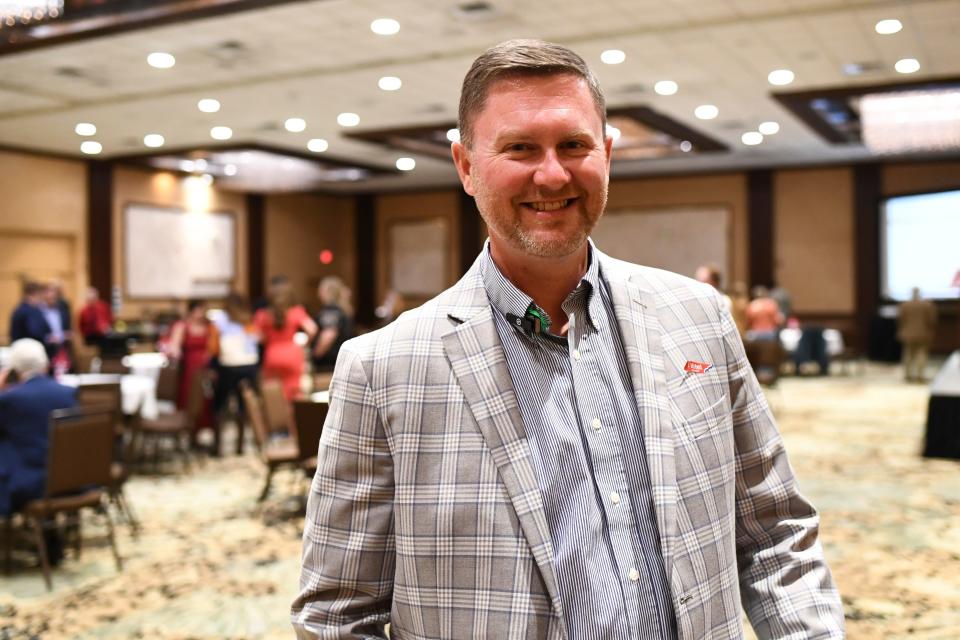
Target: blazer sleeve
<point>785,584</point>
<point>346,581</point>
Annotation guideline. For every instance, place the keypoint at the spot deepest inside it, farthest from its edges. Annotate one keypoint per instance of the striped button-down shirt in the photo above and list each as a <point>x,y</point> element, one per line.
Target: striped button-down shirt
<point>586,443</point>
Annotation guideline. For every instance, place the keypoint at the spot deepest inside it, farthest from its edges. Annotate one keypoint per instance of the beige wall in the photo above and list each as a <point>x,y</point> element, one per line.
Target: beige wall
<point>44,205</point>
<point>393,207</point>
<point>922,176</point>
<point>297,228</point>
<point>161,188</point>
<point>728,190</point>
<point>813,238</point>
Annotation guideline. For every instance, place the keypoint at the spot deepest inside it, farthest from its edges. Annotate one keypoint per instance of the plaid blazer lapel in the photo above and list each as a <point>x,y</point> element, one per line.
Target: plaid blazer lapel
<point>480,367</point>
<point>636,314</point>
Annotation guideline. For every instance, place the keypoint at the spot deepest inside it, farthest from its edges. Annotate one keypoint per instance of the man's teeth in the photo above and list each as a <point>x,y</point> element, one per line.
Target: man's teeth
<point>549,206</point>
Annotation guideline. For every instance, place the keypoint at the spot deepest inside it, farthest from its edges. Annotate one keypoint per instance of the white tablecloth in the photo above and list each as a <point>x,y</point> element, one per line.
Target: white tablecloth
<point>790,338</point>
<point>137,392</point>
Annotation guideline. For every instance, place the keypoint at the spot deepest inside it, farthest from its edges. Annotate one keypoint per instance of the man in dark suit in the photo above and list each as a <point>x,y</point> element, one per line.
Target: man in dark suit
<point>24,429</point>
<point>27,320</point>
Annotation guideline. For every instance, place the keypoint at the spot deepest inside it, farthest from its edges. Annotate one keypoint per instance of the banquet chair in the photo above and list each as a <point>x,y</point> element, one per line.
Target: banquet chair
<point>176,426</point>
<point>275,452</point>
<point>78,469</point>
<point>109,395</point>
<point>767,357</point>
<point>308,419</point>
<point>276,408</point>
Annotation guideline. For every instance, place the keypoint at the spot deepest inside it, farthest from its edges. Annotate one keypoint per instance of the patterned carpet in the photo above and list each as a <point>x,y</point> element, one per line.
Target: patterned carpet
<point>211,564</point>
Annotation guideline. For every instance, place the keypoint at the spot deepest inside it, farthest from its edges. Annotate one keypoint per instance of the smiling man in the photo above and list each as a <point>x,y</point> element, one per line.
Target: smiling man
<point>562,445</point>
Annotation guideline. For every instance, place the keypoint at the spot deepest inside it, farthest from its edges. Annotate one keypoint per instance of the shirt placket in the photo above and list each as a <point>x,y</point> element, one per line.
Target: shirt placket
<point>598,425</point>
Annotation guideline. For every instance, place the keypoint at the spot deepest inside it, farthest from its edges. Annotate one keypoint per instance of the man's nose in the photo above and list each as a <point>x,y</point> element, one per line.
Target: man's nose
<point>551,173</point>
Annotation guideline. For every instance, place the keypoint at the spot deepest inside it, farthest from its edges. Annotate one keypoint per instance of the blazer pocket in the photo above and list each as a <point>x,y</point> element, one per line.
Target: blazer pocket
<point>702,422</point>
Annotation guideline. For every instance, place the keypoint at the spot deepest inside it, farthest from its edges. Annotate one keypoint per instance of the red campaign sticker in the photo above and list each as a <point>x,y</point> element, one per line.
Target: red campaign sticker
<point>697,367</point>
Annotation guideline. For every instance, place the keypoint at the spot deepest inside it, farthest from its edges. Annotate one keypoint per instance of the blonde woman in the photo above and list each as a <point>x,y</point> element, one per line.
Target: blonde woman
<point>335,321</point>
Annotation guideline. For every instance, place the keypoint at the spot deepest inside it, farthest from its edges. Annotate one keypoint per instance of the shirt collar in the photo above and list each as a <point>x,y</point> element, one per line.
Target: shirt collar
<point>506,298</point>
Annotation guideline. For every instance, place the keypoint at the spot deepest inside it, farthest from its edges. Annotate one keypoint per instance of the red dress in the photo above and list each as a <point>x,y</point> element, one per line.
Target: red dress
<point>282,357</point>
<point>194,357</point>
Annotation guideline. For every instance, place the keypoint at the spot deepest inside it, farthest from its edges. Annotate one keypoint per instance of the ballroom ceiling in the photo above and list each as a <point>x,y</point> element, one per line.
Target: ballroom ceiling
<point>314,60</point>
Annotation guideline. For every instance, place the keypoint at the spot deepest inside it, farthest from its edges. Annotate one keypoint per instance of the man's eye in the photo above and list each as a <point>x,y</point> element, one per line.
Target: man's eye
<point>518,146</point>
<point>574,144</point>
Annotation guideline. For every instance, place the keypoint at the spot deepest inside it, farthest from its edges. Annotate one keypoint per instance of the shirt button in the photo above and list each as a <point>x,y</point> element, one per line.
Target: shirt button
<point>634,575</point>
<point>576,355</point>
<point>597,424</point>
<point>614,497</point>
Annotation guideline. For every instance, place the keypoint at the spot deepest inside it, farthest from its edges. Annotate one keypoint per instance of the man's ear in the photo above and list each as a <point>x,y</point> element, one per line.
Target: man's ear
<point>461,160</point>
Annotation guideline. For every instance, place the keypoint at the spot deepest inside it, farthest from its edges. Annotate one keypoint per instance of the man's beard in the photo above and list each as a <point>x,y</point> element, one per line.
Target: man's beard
<point>547,245</point>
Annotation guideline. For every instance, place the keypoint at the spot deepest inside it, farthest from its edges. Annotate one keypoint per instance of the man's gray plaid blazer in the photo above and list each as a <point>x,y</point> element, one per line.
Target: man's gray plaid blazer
<point>425,511</point>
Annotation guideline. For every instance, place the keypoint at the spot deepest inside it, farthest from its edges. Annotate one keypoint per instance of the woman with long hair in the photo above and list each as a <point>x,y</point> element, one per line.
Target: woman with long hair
<point>335,322</point>
<point>278,324</point>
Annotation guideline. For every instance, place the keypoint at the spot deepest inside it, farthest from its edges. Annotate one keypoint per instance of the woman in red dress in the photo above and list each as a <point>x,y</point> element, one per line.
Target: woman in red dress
<point>191,343</point>
<point>282,357</point>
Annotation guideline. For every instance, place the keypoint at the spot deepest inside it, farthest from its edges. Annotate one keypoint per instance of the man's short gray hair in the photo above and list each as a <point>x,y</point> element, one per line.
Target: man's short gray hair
<point>28,358</point>
<point>517,59</point>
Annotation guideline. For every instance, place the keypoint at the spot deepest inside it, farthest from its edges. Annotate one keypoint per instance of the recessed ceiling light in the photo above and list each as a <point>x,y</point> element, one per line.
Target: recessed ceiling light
<point>85,129</point>
<point>751,138</point>
<point>153,140</point>
<point>186,165</point>
<point>221,133</point>
<point>769,128</point>
<point>389,83</point>
<point>209,105</point>
<point>612,56</point>
<point>907,65</point>
<point>406,164</point>
<point>852,68</point>
<point>887,27</point>
<point>318,145</point>
<point>295,125</point>
<point>613,132</point>
<point>91,147</point>
<point>161,60</point>
<point>200,164</point>
<point>385,26</point>
<point>686,146</point>
<point>230,169</point>
<point>453,135</point>
<point>348,119</point>
<point>706,112</point>
<point>666,87</point>
<point>780,77</point>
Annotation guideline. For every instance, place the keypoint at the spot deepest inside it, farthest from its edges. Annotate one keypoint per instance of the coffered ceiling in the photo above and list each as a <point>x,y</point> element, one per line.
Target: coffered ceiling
<point>316,59</point>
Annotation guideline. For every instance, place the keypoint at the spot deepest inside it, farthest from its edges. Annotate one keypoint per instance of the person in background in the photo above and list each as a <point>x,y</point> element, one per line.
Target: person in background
<point>27,319</point>
<point>277,325</point>
<point>392,306</point>
<point>739,301</point>
<point>763,316</point>
<point>335,322</point>
<point>782,296</point>
<point>58,338</point>
<point>235,360</point>
<point>710,274</point>
<point>916,326</point>
<point>24,426</point>
<point>192,342</point>
<point>96,318</point>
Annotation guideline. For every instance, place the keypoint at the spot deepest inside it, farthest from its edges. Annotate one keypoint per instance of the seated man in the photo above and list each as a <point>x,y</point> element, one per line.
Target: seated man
<point>24,429</point>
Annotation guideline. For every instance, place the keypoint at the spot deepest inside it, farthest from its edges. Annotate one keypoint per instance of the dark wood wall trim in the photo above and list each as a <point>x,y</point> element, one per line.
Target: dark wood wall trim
<point>867,190</point>
<point>256,241</point>
<point>366,208</point>
<point>100,226</point>
<point>470,231</point>
<point>760,227</point>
